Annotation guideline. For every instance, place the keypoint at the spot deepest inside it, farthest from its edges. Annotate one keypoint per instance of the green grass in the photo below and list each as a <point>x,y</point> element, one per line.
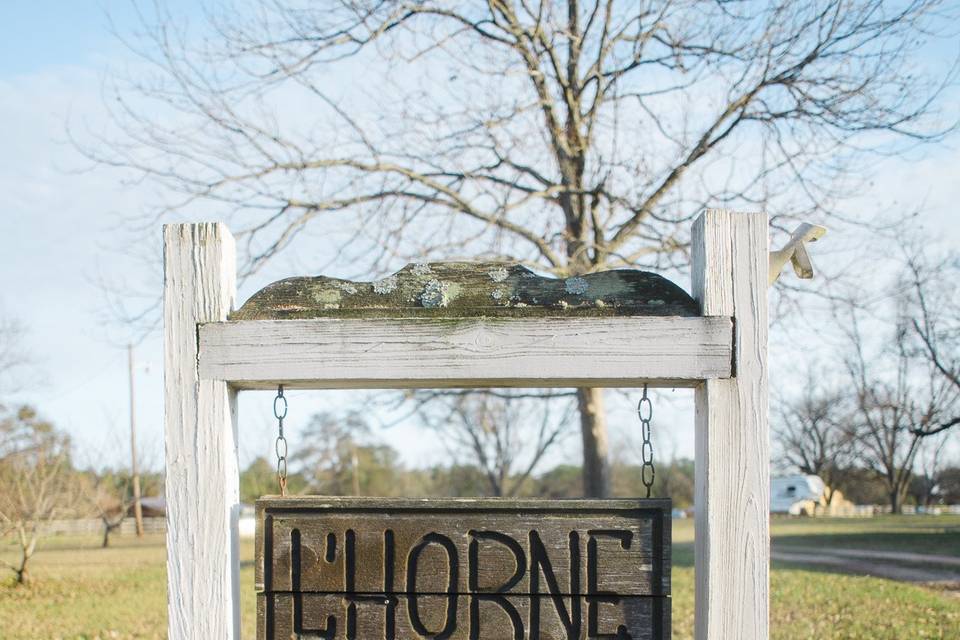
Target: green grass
<point>938,535</point>
<point>935,535</point>
<point>85,593</point>
<point>923,534</point>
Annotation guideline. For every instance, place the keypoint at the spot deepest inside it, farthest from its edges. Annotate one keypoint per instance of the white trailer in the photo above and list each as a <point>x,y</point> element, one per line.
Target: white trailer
<point>789,494</point>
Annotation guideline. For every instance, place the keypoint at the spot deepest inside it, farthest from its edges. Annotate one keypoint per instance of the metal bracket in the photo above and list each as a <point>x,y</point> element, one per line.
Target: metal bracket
<point>795,251</point>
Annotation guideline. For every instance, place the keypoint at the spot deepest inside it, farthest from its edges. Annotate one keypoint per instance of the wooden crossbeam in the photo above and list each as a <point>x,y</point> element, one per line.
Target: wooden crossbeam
<point>418,353</point>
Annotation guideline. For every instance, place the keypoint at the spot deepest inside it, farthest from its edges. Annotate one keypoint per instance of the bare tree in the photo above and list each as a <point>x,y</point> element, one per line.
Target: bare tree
<point>896,403</point>
<point>504,433</point>
<point>933,324</point>
<point>571,136</point>
<point>35,480</point>
<point>337,455</point>
<point>110,497</point>
<point>13,357</point>
<point>812,430</point>
<point>949,483</point>
<point>932,462</point>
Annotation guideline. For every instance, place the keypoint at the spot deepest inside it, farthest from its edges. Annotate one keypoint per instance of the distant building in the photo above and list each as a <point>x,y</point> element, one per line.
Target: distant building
<point>803,495</point>
<point>152,507</point>
<point>796,495</point>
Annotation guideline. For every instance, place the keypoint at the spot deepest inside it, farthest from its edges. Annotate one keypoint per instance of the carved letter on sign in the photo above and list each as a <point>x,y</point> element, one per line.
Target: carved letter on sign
<point>462,569</point>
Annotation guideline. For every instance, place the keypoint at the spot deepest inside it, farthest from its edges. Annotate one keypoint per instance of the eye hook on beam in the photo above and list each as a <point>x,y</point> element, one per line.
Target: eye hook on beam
<point>795,251</point>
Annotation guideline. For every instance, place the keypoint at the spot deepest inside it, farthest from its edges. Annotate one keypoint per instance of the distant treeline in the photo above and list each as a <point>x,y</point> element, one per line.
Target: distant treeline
<point>378,473</point>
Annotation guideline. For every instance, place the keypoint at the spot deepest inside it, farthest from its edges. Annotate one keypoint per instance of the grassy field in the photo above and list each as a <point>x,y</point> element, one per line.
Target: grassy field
<point>939,535</point>
<point>86,593</point>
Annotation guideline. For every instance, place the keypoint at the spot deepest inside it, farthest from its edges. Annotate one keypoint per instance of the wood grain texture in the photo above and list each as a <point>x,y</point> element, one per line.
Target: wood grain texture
<point>462,568</point>
<point>326,617</point>
<point>470,289</point>
<point>638,564</point>
<point>398,353</point>
<point>730,264</point>
<point>202,476</point>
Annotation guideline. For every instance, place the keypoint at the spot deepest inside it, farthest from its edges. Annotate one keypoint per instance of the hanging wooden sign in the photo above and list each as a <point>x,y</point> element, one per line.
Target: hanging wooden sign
<point>470,569</point>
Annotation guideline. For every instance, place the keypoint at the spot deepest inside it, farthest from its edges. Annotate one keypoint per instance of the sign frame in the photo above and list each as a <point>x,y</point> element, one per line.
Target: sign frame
<point>547,568</point>
<point>730,264</point>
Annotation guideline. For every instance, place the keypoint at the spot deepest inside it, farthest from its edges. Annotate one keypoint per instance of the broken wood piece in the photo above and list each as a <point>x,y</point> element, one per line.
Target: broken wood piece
<point>795,251</point>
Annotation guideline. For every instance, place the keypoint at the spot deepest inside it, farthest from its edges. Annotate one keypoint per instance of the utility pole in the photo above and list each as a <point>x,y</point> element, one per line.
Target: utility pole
<point>355,466</point>
<point>137,509</point>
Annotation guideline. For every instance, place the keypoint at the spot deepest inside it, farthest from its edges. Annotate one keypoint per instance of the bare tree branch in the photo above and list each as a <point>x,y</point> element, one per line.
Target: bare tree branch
<point>571,137</point>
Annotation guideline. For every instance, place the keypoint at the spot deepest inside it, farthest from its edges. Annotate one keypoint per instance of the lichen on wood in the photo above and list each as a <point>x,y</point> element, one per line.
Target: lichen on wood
<point>470,289</point>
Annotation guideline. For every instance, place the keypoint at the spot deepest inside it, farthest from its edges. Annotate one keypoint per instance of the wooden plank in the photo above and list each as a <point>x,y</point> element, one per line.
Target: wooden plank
<point>536,562</point>
<point>730,263</point>
<point>635,565</point>
<point>410,353</point>
<point>202,476</point>
<point>475,617</point>
<point>471,289</point>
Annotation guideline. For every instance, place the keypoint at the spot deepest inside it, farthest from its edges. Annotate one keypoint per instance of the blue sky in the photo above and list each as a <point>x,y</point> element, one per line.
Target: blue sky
<point>58,231</point>
<point>60,234</point>
<point>44,33</point>
<point>41,34</point>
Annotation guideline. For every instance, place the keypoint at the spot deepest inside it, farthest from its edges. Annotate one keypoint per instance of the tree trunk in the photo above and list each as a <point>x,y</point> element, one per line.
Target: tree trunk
<point>106,537</point>
<point>593,426</point>
<point>23,576</point>
<point>28,545</point>
<point>895,504</point>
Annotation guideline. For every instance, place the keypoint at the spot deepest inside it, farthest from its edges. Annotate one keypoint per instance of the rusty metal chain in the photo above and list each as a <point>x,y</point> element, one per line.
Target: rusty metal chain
<point>645,412</point>
<point>280,446</point>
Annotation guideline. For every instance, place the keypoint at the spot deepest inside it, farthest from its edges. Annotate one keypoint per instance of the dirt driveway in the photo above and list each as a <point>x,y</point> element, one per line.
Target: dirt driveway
<point>903,566</point>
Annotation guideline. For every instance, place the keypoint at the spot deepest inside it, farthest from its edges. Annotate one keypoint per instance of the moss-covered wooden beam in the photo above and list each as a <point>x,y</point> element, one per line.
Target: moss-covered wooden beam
<point>470,289</point>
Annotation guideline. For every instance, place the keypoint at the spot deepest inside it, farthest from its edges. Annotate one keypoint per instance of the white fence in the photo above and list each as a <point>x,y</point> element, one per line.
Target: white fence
<point>91,526</point>
<point>871,510</point>
<point>909,509</point>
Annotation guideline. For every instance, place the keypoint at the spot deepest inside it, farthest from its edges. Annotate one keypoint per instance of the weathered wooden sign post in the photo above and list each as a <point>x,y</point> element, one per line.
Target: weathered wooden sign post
<point>366,569</point>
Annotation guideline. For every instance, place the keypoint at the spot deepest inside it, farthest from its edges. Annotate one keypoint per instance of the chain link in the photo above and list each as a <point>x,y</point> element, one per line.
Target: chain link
<point>280,446</point>
<point>645,413</point>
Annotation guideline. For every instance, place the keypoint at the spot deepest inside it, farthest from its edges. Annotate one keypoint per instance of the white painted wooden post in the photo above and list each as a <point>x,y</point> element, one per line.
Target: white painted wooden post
<point>202,481</point>
<point>730,264</point>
